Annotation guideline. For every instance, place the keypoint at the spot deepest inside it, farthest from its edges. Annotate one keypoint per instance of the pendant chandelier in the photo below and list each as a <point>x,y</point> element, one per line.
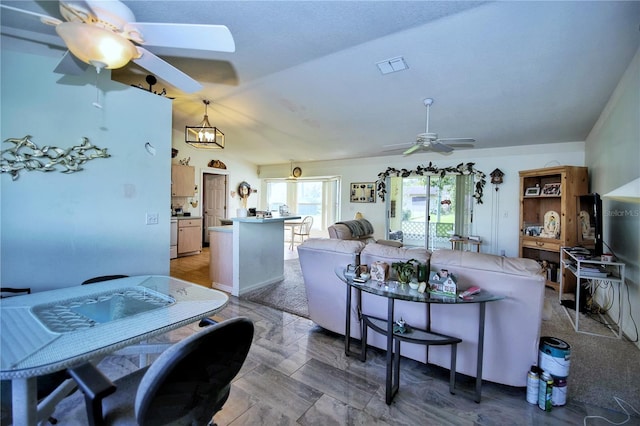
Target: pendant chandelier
<point>204,135</point>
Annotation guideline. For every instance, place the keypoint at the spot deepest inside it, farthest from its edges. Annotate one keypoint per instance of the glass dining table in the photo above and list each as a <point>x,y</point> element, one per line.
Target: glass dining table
<point>49,331</point>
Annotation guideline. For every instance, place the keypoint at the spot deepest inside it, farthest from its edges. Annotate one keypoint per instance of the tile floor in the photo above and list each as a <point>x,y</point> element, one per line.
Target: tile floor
<point>297,373</point>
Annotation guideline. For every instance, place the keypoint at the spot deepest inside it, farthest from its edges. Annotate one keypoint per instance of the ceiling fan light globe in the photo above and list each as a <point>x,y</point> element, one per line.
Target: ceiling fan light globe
<point>92,44</point>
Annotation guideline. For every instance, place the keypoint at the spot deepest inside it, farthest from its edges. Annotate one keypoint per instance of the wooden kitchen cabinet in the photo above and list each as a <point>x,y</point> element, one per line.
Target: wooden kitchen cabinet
<point>189,236</point>
<point>536,242</point>
<point>182,180</point>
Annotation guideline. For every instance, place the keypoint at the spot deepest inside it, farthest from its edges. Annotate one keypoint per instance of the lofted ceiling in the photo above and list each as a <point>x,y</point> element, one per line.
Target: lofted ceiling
<point>303,83</point>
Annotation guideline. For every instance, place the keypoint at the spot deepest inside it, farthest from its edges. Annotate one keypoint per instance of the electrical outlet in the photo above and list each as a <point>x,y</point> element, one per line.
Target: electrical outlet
<point>152,218</point>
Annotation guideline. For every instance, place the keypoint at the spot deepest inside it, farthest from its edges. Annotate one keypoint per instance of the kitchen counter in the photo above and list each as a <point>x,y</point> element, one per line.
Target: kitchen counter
<point>247,255</point>
<point>180,217</point>
<point>253,219</point>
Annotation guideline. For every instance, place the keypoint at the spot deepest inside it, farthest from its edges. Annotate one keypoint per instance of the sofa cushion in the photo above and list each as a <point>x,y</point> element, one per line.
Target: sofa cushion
<point>339,246</point>
<point>485,262</point>
<point>390,254</point>
<point>360,229</point>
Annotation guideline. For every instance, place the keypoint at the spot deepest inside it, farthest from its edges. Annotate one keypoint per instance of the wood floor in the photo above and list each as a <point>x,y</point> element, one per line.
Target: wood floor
<point>196,268</point>
<point>297,373</point>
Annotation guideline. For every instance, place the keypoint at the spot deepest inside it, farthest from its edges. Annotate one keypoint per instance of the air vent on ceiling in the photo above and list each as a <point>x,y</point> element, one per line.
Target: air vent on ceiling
<point>392,65</point>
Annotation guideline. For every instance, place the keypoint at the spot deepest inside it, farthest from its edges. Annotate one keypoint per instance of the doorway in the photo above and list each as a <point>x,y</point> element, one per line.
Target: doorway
<point>214,202</point>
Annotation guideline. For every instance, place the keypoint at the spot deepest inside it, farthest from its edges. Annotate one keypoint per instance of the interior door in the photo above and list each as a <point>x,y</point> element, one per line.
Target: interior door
<point>215,201</point>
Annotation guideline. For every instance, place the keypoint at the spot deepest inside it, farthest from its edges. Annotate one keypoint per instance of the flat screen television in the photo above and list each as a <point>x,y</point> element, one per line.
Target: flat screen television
<point>589,208</point>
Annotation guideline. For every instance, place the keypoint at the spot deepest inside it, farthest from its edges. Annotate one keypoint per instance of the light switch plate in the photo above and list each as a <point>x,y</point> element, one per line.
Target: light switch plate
<point>152,218</point>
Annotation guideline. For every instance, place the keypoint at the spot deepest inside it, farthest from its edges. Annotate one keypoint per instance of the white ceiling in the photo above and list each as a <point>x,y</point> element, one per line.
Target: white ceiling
<point>303,84</point>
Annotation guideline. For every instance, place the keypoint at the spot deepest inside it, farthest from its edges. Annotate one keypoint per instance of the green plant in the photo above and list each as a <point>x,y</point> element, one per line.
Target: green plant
<point>405,269</point>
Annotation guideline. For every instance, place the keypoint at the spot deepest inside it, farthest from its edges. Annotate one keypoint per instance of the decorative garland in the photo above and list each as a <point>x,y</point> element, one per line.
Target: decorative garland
<point>460,169</point>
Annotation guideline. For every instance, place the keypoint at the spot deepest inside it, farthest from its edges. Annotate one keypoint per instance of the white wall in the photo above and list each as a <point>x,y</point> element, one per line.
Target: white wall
<point>612,155</point>
<point>496,221</point>
<point>60,229</point>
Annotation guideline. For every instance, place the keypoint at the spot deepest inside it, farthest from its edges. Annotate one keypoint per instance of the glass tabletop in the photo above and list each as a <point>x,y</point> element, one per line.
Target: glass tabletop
<point>401,291</point>
<point>50,330</point>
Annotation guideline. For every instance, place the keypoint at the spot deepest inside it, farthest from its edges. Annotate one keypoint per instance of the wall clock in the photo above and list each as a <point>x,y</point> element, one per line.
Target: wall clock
<point>297,172</point>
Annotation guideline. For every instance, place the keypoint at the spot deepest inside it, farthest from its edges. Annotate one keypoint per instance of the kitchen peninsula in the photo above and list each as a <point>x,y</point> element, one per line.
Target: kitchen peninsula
<point>248,254</point>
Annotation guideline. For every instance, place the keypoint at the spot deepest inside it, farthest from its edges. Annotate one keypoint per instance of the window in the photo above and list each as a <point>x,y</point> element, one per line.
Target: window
<point>307,197</point>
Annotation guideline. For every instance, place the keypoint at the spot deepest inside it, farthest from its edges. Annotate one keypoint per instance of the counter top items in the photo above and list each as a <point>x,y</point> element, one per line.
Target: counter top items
<point>186,216</point>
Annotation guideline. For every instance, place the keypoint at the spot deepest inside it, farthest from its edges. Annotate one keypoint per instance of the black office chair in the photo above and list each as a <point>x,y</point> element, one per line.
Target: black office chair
<point>12,291</point>
<point>187,384</point>
<point>103,278</point>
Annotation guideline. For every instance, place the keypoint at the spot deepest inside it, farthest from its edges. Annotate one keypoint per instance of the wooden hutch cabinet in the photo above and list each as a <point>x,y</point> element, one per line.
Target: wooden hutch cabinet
<point>548,216</point>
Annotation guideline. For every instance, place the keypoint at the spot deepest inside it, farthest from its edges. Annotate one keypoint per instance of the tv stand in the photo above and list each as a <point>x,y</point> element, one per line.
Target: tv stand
<point>592,271</point>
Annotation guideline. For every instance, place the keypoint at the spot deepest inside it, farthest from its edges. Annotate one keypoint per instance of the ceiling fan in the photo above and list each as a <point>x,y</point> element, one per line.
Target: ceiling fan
<point>430,141</point>
<point>105,34</point>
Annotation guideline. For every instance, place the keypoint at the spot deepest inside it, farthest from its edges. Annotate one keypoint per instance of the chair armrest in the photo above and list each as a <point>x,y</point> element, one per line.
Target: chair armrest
<point>205,322</point>
<point>95,386</point>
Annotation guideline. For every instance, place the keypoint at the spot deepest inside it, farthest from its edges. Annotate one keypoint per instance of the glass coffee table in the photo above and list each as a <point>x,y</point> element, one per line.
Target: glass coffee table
<point>394,290</point>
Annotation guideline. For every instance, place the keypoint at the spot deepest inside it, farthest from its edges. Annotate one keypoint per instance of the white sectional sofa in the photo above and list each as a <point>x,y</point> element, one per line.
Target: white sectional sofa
<point>512,328</point>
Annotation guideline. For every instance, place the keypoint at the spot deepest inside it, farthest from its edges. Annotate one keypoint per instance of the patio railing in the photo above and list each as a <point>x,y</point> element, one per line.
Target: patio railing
<point>413,234</point>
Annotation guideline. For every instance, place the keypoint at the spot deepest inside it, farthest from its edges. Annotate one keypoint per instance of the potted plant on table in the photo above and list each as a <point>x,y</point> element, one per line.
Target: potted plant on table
<point>405,269</point>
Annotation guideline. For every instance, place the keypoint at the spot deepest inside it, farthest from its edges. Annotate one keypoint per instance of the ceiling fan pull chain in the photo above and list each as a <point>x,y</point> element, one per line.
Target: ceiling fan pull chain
<point>97,103</point>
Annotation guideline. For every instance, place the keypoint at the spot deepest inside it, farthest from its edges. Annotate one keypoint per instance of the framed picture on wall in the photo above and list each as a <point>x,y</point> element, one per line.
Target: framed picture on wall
<point>363,192</point>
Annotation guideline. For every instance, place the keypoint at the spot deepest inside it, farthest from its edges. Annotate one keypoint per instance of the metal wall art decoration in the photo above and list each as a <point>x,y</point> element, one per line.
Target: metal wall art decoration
<point>26,155</point>
<point>460,169</point>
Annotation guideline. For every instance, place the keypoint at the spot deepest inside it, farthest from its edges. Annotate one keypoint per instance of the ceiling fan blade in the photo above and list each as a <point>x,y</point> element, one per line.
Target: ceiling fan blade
<point>461,145</point>
<point>46,19</point>
<point>166,71</point>
<point>398,146</point>
<point>412,149</point>
<point>440,147</point>
<point>215,38</point>
<point>70,65</point>
<point>464,140</point>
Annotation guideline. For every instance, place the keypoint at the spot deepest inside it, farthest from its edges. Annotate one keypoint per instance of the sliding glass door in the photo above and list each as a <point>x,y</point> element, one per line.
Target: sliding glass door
<point>425,211</point>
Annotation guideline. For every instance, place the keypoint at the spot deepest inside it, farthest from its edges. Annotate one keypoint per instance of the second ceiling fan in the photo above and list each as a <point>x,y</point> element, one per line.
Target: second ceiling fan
<point>429,141</point>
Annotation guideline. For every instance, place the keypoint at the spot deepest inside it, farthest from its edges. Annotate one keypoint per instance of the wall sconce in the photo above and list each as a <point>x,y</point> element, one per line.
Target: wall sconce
<point>204,135</point>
